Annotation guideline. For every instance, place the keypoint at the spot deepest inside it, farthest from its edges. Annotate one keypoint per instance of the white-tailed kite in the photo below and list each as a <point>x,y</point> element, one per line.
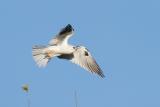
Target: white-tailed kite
<point>59,47</point>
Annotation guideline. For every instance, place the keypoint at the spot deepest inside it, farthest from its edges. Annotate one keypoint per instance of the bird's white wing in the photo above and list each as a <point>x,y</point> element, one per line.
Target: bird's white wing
<point>82,57</point>
<point>63,36</point>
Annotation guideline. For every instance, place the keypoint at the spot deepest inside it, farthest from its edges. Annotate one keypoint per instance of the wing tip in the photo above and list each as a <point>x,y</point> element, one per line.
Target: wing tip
<point>100,73</point>
<point>66,29</point>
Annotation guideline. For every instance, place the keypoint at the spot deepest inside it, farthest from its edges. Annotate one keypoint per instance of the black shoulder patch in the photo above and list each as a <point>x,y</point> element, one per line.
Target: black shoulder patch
<point>67,29</point>
<point>86,53</point>
<point>66,56</point>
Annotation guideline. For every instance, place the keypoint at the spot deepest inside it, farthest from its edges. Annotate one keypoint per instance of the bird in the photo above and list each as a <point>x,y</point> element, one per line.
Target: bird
<point>59,47</point>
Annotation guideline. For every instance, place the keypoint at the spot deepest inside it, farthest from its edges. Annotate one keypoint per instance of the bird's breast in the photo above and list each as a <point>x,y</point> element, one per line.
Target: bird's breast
<point>59,49</point>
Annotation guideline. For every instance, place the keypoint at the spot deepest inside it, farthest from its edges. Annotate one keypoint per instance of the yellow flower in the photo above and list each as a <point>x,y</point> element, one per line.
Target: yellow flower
<point>25,87</point>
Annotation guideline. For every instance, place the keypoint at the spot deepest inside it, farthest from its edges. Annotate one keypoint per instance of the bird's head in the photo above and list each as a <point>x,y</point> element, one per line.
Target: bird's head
<point>82,48</point>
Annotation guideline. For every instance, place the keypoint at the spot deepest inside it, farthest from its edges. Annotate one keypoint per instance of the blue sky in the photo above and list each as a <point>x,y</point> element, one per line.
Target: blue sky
<point>122,35</point>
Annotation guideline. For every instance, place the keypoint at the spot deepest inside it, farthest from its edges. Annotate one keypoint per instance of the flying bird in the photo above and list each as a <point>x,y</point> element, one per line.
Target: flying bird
<point>59,47</point>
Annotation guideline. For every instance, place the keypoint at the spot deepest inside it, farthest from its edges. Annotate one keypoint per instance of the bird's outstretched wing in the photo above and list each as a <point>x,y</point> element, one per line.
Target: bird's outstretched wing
<point>83,58</point>
<point>63,36</point>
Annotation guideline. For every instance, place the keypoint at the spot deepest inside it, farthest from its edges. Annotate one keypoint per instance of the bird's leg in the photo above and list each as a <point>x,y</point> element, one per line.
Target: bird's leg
<point>50,53</point>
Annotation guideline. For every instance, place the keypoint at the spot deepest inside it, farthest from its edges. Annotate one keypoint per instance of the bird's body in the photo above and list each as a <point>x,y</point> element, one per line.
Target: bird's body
<point>59,47</point>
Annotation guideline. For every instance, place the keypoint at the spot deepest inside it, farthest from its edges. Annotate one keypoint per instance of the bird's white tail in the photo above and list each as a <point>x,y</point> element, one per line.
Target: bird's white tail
<point>40,56</point>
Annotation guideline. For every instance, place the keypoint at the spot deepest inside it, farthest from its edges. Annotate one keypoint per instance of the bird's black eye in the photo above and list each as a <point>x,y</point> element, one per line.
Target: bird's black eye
<point>86,53</point>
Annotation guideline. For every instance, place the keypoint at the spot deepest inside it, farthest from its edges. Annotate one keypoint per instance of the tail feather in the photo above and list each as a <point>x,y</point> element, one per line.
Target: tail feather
<point>39,56</point>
